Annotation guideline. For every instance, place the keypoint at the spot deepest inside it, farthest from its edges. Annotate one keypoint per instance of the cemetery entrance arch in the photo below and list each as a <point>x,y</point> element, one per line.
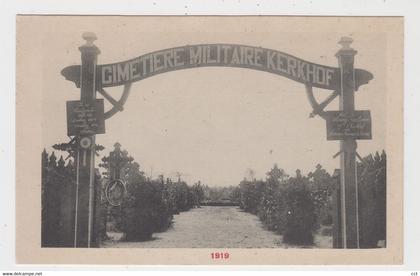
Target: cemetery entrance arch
<point>86,117</point>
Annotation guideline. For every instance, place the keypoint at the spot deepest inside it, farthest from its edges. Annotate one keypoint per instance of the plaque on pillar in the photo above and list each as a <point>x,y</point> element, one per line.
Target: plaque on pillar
<point>342,125</point>
<point>85,118</point>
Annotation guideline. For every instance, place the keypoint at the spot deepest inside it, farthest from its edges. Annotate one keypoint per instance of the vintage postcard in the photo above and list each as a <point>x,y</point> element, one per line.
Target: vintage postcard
<point>209,140</point>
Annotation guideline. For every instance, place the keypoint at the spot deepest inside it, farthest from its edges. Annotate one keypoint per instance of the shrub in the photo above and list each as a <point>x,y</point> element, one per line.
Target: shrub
<point>372,199</point>
<point>300,215</point>
<point>149,205</point>
<point>139,212</point>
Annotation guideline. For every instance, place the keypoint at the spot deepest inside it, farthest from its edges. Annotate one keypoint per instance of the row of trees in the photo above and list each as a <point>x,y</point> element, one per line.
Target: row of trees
<point>149,204</point>
<point>292,206</point>
<point>297,206</point>
<point>58,191</point>
<point>284,204</point>
<point>372,199</point>
<point>220,195</point>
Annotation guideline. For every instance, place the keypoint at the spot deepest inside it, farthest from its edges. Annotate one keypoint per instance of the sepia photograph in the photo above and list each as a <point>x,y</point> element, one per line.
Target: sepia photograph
<point>247,139</point>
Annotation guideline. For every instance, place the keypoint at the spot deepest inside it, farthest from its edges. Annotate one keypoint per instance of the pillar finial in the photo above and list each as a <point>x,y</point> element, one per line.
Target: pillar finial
<point>345,42</point>
<point>345,50</point>
<point>90,37</point>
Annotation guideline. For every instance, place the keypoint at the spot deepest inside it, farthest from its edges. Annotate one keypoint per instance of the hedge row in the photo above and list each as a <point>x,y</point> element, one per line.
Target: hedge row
<point>149,205</point>
<point>284,204</point>
<point>296,206</point>
<point>372,199</point>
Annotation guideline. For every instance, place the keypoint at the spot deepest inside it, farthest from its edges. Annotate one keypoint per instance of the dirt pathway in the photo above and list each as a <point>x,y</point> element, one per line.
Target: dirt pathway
<point>211,227</point>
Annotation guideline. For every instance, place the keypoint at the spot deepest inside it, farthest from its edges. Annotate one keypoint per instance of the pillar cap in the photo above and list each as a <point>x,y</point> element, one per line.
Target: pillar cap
<point>90,37</point>
<point>345,42</point>
<point>89,47</point>
<point>346,50</point>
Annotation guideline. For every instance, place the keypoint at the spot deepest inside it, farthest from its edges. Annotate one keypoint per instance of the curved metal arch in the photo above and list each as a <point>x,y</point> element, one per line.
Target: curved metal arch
<point>116,105</point>
<point>318,108</point>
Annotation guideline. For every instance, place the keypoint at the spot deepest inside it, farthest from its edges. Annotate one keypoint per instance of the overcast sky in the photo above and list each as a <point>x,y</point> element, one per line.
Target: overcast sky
<point>212,124</point>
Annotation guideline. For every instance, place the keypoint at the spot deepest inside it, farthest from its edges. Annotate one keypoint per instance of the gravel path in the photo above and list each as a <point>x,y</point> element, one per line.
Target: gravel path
<point>211,227</point>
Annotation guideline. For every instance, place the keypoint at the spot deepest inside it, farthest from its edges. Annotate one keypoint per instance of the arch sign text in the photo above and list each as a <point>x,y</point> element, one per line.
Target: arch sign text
<point>224,55</point>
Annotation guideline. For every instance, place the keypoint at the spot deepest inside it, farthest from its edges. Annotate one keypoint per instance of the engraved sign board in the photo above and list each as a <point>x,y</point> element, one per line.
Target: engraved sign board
<point>85,118</point>
<point>342,125</point>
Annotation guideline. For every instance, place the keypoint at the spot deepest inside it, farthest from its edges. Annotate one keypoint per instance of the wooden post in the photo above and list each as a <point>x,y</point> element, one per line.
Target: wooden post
<point>85,198</point>
<point>348,177</point>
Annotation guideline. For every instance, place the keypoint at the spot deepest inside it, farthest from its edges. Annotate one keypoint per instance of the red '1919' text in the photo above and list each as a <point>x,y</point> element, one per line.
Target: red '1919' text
<point>219,255</point>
